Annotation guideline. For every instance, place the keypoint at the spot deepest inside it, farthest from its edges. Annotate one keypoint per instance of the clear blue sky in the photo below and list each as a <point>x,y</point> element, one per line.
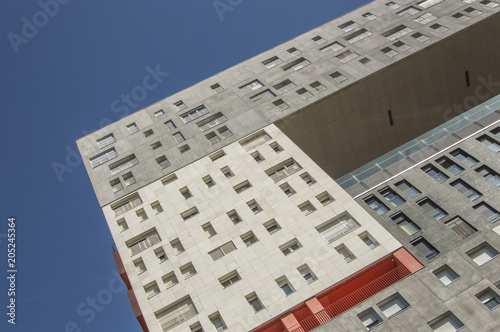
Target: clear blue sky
<point>60,74</point>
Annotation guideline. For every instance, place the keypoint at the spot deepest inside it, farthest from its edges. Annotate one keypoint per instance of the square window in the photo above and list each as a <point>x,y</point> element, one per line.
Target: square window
<point>464,157</point>
<point>434,173</point>
<point>325,198</point>
<point>185,192</point>
<point>369,16</point>
<point>368,240</point>
<point>148,132</point>
<point>488,3</point>
<point>466,190</point>
<point>425,247</point>
<point>160,254</point>
<point>158,113</point>
<point>489,175</point>
<point>432,209</point>
<point>488,212</point>
<point>489,142</point>
<point>225,132</point>
<point>389,51</point>
<point>249,238</point>
<point>163,162</point>
<point>151,289</point>
<point>213,138</point>
<point>287,189</point>
<point>116,185</point>
<point>227,172</point>
<point>285,285</point>
<point>370,318</point>
<point>141,214</point>
<point>405,223</point>
<point>156,206</point>
<point>446,275</point>
<point>338,77</point>
<point>184,148</point>
<point>293,51</point>
<point>132,128</point>
<point>447,322</point>
<point>307,208</point>
<point>170,125</point>
<point>482,254</point>
<point>420,37</point>
<point>229,279</point>
<point>392,197</point>
<point>177,246</point>
<point>254,206</point>
<point>290,247</point>
<point>252,86</point>
<point>218,322</point>
<point>272,62</point>
<point>209,230</point>
<point>209,181</point>
<point>156,145</point>
<point>393,5</point>
<point>489,298</point>
<point>276,147</point>
<point>393,305</point>
<point>304,93</point>
<point>272,226</point>
<point>178,137</point>
<point>254,302</point>
<point>140,266</point>
<point>364,61</point>
<point>319,40</point>
<point>217,88</point>
<point>461,227</point>
<point>308,179</point>
<point>449,165</point>
<point>122,224</point>
<point>180,105</point>
<point>345,253</point>
<point>402,46</point>
<point>280,104</point>
<point>233,215</point>
<point>307,274</point>
<point>376,205</point>
<point>196,327</point>
<point>170,280</point>
<point>317,86</point>
<point>128,179</point>
<point>257,157</point>
<point>188,270</point>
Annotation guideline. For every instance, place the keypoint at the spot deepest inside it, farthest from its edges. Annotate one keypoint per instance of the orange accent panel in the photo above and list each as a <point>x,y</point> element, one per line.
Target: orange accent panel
<point>314,305</point>
<point>290,322</point>
<point>405,258</point>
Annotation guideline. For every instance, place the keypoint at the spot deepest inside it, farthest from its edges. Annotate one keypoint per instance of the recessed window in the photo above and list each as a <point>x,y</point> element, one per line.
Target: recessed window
<point>128,179</point>
<point>348,26</point>
<point>317,86</point>
<point>426,18</point>
<point>338,77</point>
<point>420,37</point>
<point>188,214</point>
<point>105,141</point>
<point>194,114</point>
<point>211,121</point>
<point>489,142</point>
<point>391,196</point>
<point>434,173</point>
<point>461,227</point>
<point>169,179</point>
<point>155,145</point>
<point>224,132</point>
<point>126,204</point>
<point>148,132</point>
<point>397,32</point>
<point>272,62</point>
<point>347,56</point>
<point>410,10</point>
<point>296,64</point>
<point>180,105</point>
<point>293,51</point>
<point>308,179</point>
<point>489,175</point>
<point>262,96</point>
<point>116,185</point>
<point>179,138</point>
<point>283,170</point>
<point>428,3</point>
<point>489,298</point>
<point>307,208</point>
<point>252,86</point>
<point>307,274</point>
<point>325,198</point>
<point>370,318</point>
<point>254,206</point>
<point>280,104</point>
<point>222,251</point>
<point>290,246</point>
<point>249,238</point>
<point>143,241</point>
<point>217,88</point>
<point>141,214</point>
<point>122,224</point>
<point>438,27</point>
<point>158,113</point>
<point>285,285</point>
<point>466,190</point>
<point>304,93</point>
<point>170,280</point>
<point>229,279</point>
<point>464,157</point>
<point>376,205</point>
<point>335,46</point>
<point>357,36</point>
<point>257,157</point>
<point>160,254</point>
<point>402,46</point>
<point>447,322</point>
<point>405,223</point>
<point>335,228</point>
<point>188,270</point>
<point>254,302</point>
<point>452,167</point>
<point>103,157</point>
<point>425,247</point>
<point>184,148</point>
<point>393,305</point>
<point>217,321</point>
<point>239,188</point>
<point>140,266</point>
<point>488,3</point>
<point>227,172</point>
<point>432,209</point>
<point>217,155</point>
<point>319,40</point>
<point>151,289</point>
<point>369,16</point>
<point>209,229</point>
<point>368,240</point>
<point>473,11</point>
<point>285,86</point>
<point>209,181</point>
<point>393,5</point>
<point>389,51</point>
<point>170,125</point>
<point>156,206</point>
<point>163,162</point>
<point>132,128</point>
<point>234,216</point>
<point>461,17</point>
<point>276,147</point>
<point>177,246</point>
<point>196,327</point>
<point>482,254</point>
<point>345,253</point>
<point>446,275</point>
<point>272,226</point>
<point>213,138</point>
<point>255,140</point>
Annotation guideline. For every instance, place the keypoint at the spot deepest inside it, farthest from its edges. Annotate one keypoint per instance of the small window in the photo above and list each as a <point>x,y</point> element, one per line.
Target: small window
<point>432,209</point>
<point>170,125</point>
<point>105,141</point>
<point>263,96</point>
<point>348,26</point>
<point>420,37</point>
<point>276,147</point>
<point>148,132</point>
<point>439,27</point>
<point>285,86</point>
<point>211,121</point>
<point>257,157</point>
<point>252,86</point>
<point>358,35</point>
<point>209,181</point>
<point>116,185</point>
<point>296,64</point>
<point>272,226</point>
<point>132,128</point>
<point>287,189</point>
<point>122,224</point>
<point>482,254</point>
<point>151,289</point>
<point>405,223</point>
<point>426,18</point>
<point>285,285</point>
<point>180,105</point>
<point>368,240</point>
<point>225,132</point>
<point>185,192</point>
<point>461,17</point>
<point>335,46</point>
<point>466,190</point>
<point>434,173</point>
<point>376,205</point>
<point>141,214</point>
<point>283,170</point>
<point>128,179</point>
<point>410,10</point>
<point>425,247</point>
<point>229,279</point>
<point>217,155</point>
<point>473,11</point>
<point>272,62</point>
<point>280,104</point>
<point>188,214</point>
<point>254,206</point>
<point>338,77</point>
<point>227,172</point>
<point>194,114</point>
<point>389,51</point>
<point>156,206</point>
<point>393,305</point>
<point>464,157</point>
<point>209,230</point>
<point>452,167</point>
<point>177,246</point>
<point>461,227</point>
<point>234,216</point>
<point>369,16</point>
<point>159,113</point>
<point>489,142</point>
<point>335,228</point>
<point>196,327</point>
<point>254,302</point>
<point>319,40</point>
<point>160,254</point>
<point>488,3</point>
<point>428,3</point>
<point>307,274</point>
<point>325,198</point>
<point>393,5</point>
<point>489,298</point>
<point>169,179</point>
<point>103,157</point>
<point>317,86</point>
<point>222,251</point>
<point>345,253</point>
<point>308,179</point>
<point>307,208</point>
<point>447,321</point>
<point>217,88</point>
<point>304,93</point>
<point>347,56</point>
<point>213,138</point>
<point>239,188</point>
<point>156,145</point>
<point>184,148</point>
<point>249,238</point>
<point>402,46</point>
<point>140,266</point>
<point>163,162</point>
<point>293,51</point>
<point>364,61</point>
<point>393,198</point>
<point>446,275</point>
<point>290,247</point>
<point>370,318</point>
<point>188,270</point>
<point>489,175</point>
<point>218,323</point>
<point>178,137</point>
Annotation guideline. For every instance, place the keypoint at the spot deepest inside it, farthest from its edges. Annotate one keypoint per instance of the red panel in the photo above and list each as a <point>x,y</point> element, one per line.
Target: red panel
<point>314,305</point>
<point>404,257</point>
<point>121,269</point>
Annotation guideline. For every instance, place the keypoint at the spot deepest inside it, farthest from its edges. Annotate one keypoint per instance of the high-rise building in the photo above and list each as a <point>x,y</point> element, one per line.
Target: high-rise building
<point>344,180</point>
